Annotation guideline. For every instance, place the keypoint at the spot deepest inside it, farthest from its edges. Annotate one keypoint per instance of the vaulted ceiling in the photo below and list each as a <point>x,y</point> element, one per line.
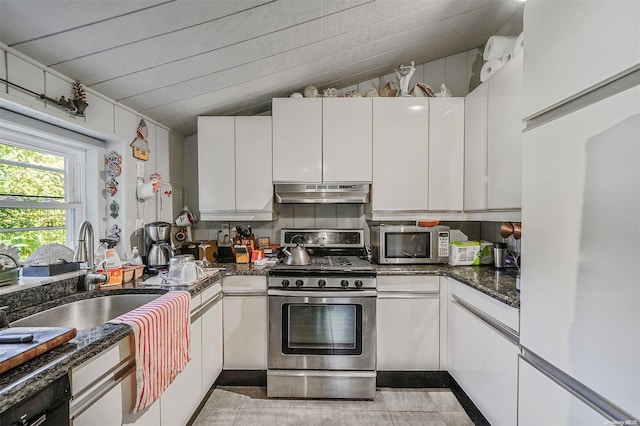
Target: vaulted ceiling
<point>173,60</point>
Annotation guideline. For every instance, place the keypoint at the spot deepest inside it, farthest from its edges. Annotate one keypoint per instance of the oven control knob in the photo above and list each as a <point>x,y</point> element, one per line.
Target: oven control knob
<point>322,283</point>
<point>285,283</point>
<point>358,283</point>
<point>299,283</point>
<point>344,283</point>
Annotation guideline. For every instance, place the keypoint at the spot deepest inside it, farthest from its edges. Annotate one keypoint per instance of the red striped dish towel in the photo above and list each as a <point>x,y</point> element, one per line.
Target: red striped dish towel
<point>161,333</point>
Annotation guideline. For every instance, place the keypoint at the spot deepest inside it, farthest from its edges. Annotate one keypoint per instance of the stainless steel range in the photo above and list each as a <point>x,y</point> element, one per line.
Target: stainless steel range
<point>322,319</point>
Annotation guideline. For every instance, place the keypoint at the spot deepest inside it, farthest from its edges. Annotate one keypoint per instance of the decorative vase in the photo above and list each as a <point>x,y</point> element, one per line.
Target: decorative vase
<point>80,106</point>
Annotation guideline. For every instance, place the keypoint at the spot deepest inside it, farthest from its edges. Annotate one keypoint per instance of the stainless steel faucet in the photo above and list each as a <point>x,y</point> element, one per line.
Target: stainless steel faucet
<point>84,253</point>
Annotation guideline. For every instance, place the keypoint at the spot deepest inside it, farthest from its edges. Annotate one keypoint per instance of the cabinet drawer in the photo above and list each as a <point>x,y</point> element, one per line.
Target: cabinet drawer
<point>501,312</point>
<point>244,284</point>
<point>412,283</point>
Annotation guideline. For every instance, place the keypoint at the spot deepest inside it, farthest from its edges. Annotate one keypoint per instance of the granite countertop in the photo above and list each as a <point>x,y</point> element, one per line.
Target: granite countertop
<point>27,379</point>
<point>497,283</point>
<point>32,376</point>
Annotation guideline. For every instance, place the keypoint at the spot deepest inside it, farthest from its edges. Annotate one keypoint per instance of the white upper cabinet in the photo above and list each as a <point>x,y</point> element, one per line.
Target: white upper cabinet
<point>504,137</point>
<point>230,150</point>
<point>253,158</point>
<point>475,149</point>
<point>400,154</point>
<point>322,140</point>
<point>585,56</point>
<point>446,154</point>
<point>297,139</point>
<point>216,164</point>
<point>346,140</point>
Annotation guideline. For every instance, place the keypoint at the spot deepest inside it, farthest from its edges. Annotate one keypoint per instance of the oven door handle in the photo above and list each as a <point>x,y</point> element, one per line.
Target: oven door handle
<point>322,293</point>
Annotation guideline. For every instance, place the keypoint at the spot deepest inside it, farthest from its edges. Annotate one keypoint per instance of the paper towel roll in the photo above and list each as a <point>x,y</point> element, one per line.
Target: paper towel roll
<point>489,68</point>
<point>496,46</point>
<point>519,45</point>
<point>508,54</point>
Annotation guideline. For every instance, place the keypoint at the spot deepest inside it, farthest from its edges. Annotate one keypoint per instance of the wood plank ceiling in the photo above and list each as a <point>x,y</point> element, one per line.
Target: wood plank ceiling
<point>173,60</point>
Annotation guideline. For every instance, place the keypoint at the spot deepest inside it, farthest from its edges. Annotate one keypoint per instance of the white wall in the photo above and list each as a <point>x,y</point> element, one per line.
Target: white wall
<point>111,122</point>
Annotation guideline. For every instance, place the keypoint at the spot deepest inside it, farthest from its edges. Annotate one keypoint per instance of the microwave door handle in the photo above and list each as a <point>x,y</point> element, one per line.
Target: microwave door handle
<point>415,256</point>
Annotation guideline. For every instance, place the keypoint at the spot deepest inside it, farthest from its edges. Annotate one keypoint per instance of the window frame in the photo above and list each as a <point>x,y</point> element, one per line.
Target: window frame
<point>75,159</point>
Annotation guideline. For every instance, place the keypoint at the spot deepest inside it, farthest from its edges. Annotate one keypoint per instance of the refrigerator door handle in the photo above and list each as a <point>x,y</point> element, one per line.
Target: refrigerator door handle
<point>592,399</point>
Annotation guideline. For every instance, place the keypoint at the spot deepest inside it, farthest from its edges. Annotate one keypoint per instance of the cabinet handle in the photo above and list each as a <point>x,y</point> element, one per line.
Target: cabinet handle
<point>506,331</point>
<point>598,403</point>
<point>409,295</point>
<point>204,308</point>
<point>103,384</point>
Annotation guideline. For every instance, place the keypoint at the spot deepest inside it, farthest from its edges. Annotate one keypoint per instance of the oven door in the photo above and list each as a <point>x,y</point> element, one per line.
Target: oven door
<point>322,330</point>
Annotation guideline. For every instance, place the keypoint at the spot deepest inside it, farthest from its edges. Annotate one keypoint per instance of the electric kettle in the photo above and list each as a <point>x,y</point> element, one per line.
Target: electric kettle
<point>159,255</point>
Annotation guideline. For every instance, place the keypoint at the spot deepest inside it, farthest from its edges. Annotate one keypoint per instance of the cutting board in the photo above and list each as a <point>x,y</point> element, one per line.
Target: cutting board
<point>44,339</point>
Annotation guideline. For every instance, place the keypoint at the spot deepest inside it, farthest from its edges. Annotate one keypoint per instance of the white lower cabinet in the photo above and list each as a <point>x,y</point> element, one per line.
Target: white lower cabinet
<point>184,394</point>
<point>482,359</point>
<point>90,407</point>
<point>211,338</point>
<point>407,322</point>
<point>100,399</point>
<point>245,320</point>
<point>542,401</point>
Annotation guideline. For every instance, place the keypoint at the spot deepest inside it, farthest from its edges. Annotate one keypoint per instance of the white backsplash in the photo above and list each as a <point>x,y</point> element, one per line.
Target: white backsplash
<point>341,216</point>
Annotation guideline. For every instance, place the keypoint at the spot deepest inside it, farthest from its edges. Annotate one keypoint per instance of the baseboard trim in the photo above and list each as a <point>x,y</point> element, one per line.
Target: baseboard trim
<point>412,379</point>
<point>242,378</point>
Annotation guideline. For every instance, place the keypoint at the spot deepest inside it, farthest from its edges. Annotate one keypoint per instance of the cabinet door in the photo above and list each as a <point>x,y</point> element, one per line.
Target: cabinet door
<point>245,332</point>
<point>558,66</point>
<point>254,188</point>
<point>504,136</point>
<point>541,399</point>
<point>446,153</point>
<point>211,346</point>
<point>115,407</point>
<point>400,154</point>
<point>475,149</point>
<point>485,365</point>
<point>182,397</point>
<point>216,163</point>
<point>346,140</point>
<point>297,139</point>
<point>410,322</point>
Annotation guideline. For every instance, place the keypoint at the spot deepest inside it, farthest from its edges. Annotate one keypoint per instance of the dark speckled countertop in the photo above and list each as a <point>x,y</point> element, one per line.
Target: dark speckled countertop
<point>25,380</point>
<point>497,283</point>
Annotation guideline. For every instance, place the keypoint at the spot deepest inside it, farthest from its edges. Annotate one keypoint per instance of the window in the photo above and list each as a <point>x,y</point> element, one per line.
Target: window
<point>39,203</point>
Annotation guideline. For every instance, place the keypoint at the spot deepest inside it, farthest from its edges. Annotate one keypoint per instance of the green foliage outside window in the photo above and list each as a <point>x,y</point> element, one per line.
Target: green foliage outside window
<point>27,175</point>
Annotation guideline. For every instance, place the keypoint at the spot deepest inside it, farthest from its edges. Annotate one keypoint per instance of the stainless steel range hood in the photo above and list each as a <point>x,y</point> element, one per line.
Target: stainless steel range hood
<point>312,193</point>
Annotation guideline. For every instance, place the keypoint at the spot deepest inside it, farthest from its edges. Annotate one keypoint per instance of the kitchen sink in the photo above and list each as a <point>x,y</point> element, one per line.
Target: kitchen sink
<point>88,313</point>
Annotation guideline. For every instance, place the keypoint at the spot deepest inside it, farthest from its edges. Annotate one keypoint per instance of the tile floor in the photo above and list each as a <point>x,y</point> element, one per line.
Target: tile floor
<point>245,405</point>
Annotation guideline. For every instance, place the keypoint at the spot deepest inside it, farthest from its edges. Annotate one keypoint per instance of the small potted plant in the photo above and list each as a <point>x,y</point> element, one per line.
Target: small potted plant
<point>79,98</point>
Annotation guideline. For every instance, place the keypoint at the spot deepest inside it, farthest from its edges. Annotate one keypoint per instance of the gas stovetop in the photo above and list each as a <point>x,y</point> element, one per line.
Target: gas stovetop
<point>338,261</point>
<point>326,264</point>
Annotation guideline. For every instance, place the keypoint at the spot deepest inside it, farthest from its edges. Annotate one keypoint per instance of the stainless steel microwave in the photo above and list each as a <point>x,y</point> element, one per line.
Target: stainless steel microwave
<point>400,244</point>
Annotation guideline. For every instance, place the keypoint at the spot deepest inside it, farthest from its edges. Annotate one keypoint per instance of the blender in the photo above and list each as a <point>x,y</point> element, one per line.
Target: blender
<point>159,251</point>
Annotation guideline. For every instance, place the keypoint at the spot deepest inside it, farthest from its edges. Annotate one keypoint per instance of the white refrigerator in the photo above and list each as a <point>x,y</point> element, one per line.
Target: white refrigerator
<point>580,288</point>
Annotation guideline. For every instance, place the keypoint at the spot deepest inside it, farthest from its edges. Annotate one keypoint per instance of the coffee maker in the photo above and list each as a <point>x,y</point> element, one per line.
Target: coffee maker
<point>159,251</point>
